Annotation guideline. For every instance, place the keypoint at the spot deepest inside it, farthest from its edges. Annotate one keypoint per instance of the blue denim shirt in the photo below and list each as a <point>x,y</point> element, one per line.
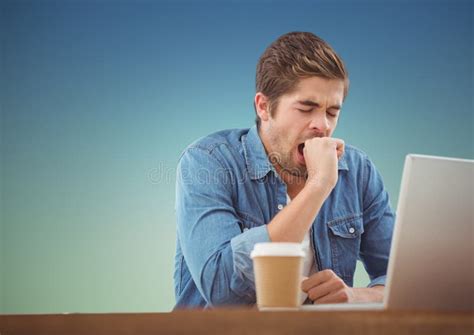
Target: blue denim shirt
<point>227,191</point>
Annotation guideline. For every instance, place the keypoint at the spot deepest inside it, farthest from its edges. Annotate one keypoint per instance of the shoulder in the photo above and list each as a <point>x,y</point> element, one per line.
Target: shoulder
<point>363,170</point>
<point>359,164</point>
<point>355,157</point>
<point>223,137</point>
<point>218,145</point>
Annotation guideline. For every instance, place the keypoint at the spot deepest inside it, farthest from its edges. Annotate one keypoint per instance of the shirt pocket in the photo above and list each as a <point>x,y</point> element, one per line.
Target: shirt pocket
<point>345,236</point>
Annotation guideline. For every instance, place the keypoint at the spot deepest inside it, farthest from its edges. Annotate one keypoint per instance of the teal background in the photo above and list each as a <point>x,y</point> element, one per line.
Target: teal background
<point>98,99</point>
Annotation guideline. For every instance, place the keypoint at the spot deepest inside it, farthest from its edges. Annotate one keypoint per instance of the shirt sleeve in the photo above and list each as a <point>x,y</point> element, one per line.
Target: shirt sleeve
<point>378,226</point>
<point>214,245</point>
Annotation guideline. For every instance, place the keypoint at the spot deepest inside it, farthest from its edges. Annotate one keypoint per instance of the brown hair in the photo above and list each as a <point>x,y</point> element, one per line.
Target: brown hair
<point>292,57</point>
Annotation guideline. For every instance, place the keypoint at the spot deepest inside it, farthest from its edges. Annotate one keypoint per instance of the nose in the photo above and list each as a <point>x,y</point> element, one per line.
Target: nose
<point>319,122</point>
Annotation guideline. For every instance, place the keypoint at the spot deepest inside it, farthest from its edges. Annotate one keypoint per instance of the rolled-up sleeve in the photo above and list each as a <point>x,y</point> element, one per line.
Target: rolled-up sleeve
<point>378,226</point>
<point>214,245</point>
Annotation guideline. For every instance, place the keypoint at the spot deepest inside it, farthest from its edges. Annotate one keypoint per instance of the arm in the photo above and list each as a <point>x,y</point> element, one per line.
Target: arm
<point>214,247</point>
<point>293,222</point>
<point>369,294</point>
<point>379,220</point>
<point>326,286</point>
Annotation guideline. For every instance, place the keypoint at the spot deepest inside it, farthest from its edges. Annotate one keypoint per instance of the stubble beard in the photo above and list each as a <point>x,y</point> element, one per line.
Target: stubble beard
<point>284,160</point>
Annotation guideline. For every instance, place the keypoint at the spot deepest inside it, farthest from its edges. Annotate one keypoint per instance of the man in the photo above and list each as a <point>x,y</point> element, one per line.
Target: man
<point>285,179</point>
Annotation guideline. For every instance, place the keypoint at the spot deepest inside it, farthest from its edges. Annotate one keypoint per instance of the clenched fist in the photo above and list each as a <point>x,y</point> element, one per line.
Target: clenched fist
<point>321,155</point>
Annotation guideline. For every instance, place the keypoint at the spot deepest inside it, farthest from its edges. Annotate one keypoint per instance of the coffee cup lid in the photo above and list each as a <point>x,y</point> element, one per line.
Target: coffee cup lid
<point>277,249</point>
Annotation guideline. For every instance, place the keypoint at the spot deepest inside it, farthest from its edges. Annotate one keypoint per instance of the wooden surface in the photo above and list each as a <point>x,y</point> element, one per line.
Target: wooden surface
<point>239,321</point>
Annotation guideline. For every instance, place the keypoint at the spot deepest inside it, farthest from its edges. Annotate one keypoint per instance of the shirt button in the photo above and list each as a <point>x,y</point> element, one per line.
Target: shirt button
<point>280,206</point>
<point>351,230</point>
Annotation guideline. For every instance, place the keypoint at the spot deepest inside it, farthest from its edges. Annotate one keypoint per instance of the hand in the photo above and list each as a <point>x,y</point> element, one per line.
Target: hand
<point>326,287</point>
<point>321,155</point>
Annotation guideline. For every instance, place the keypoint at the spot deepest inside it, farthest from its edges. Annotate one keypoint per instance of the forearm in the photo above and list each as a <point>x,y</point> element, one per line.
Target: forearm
<point>294,221</point>
<point>371,294</point>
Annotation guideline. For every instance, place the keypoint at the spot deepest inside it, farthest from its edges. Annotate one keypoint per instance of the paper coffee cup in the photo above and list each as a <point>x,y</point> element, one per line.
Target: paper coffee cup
<point>278,270</point>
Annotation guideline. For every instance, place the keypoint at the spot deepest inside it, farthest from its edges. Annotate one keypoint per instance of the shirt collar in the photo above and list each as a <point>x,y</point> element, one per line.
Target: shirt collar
<point>256,157</point>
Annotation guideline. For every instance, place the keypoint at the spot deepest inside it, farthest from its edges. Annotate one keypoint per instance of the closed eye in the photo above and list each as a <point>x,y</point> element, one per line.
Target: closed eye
<point>304,110</point>
<point>332,112</point>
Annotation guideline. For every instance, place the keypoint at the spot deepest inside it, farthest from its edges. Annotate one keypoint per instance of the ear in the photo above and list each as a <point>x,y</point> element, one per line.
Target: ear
<point>261,106</point>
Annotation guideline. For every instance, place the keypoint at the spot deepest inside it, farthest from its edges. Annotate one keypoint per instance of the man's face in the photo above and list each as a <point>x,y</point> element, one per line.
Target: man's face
<point>311,110</point>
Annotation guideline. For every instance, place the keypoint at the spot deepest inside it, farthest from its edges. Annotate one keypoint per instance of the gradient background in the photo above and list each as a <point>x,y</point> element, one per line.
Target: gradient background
<point>98,99</point>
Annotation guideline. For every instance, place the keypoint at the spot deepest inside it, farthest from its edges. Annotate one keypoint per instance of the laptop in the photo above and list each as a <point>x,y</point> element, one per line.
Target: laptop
<point>431,257</point>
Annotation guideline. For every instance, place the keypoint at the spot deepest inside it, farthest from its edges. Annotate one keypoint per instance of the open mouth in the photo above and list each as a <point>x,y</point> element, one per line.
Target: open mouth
<point>300,149</point>
<point>300,154</point>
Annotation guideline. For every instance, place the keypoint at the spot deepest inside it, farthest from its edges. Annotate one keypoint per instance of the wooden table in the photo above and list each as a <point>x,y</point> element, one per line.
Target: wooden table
<point>241,321</point>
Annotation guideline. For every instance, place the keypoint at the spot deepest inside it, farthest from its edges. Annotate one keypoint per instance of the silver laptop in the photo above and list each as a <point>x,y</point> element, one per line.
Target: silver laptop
<point>431,258</point>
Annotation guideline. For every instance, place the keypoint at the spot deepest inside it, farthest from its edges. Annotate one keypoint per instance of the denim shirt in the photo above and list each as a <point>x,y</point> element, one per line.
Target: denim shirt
<point>227,191</point>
